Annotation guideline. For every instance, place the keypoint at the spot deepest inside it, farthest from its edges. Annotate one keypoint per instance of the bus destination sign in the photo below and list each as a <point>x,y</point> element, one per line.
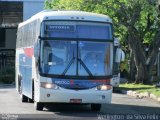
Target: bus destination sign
<point>67,28</point>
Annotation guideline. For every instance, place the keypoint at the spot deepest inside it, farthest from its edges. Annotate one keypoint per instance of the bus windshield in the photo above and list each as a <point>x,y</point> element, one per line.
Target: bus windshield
<point>73,48</point>
<point>76,58</point>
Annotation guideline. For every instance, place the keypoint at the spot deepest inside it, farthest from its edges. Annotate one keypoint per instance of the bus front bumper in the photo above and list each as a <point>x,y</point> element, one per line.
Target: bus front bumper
<point>68,96</point>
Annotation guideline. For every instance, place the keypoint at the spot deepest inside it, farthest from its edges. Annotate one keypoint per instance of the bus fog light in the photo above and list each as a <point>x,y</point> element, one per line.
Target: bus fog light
<point>48,95</point>
<point>49,85</point>
<point>104,87</point>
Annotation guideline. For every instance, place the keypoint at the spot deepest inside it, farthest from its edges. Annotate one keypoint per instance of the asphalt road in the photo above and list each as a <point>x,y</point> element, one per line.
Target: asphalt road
<point>11,107</point>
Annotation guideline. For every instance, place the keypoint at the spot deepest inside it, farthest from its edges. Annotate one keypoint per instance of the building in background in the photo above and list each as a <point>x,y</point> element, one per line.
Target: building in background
<point>12,12</point>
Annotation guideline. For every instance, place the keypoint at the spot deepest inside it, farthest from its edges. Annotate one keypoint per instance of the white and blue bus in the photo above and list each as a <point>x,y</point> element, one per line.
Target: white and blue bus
<point>65,57</point>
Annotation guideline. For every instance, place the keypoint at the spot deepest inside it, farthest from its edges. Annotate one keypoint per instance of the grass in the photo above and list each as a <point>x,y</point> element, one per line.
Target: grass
<point>140,88</point>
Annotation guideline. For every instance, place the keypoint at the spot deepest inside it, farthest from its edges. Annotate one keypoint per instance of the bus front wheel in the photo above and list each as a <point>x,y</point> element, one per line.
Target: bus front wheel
<point>38,106</point>
<point>24,98</point>
<point>95,107</point>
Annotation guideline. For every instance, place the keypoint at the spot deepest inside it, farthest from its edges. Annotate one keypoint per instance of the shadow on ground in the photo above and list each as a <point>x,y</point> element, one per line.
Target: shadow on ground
<point>85,111</point>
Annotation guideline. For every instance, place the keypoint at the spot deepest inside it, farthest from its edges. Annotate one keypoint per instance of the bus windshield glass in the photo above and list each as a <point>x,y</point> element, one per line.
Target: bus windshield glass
<point>73,48</point>
<point>76,58</point>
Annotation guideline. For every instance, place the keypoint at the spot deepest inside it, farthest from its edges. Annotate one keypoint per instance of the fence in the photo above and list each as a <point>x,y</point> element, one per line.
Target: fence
<point>7,60</point>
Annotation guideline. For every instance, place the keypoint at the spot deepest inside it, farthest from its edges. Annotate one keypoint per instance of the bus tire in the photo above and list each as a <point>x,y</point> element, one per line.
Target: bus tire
<point>24,98</point>
<point>38,106</point>
<point>95,107</point>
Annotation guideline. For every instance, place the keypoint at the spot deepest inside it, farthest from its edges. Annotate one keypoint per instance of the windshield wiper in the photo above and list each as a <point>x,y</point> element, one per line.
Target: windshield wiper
<point>85,67</point>
<point>83,64</point>
<point>69,65</point>
<point>80,61</point>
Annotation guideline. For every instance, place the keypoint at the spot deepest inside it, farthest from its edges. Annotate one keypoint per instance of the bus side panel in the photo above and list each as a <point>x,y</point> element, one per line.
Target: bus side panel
<point>25,61</point>
<point>18,52</point>
<point>16,69</point>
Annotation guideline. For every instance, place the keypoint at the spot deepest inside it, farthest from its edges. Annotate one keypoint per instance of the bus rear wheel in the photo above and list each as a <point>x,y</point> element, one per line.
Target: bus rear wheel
<point>95,107</point>
<point>38,106</point>
<point>23,97</point>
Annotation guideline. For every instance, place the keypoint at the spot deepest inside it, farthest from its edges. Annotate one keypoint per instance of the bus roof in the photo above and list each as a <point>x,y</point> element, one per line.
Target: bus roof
<point>68,15</point>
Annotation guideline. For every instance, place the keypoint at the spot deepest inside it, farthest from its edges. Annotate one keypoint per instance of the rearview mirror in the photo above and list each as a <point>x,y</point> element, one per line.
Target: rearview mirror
<point>120,55</point>
<point>36,50</point>
<point>116,42</point>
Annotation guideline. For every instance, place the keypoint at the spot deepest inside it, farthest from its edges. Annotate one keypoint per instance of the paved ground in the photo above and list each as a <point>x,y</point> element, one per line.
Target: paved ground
<point>11,106</point>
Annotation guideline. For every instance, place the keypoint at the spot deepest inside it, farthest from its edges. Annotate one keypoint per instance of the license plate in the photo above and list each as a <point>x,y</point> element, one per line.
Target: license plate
<point>75,100</point>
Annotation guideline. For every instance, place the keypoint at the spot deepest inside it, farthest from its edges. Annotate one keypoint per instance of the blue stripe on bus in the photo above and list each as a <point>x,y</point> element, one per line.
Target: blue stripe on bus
<point>66,83</point>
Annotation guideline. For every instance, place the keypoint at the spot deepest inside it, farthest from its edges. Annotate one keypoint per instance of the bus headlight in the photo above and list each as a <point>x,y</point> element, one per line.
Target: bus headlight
<point>104,87</point>
<point>49,85</point>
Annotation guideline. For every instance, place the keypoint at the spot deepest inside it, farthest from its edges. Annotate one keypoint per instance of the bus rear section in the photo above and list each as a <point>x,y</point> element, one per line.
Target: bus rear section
<point>72,61</point>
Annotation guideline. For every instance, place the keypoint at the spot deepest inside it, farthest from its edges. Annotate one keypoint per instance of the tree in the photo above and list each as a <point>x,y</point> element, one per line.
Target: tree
<point>135,21</point>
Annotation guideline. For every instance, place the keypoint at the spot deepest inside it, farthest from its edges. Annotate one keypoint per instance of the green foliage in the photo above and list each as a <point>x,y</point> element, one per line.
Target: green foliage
<point>146,24</point>
<point>135,22</point>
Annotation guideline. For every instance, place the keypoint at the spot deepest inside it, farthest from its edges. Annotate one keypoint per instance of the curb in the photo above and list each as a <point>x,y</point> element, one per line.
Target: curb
<point>141,95</point>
